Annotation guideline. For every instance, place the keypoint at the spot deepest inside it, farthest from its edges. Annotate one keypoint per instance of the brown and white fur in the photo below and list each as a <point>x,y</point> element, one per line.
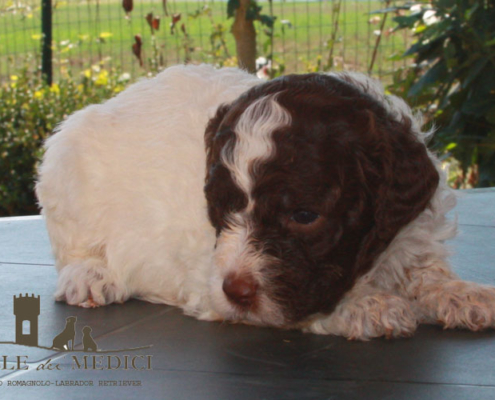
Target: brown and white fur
<point>324,210</point>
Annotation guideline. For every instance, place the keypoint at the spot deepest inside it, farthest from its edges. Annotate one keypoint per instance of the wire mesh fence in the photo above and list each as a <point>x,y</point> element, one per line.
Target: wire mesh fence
<point>307,35</point>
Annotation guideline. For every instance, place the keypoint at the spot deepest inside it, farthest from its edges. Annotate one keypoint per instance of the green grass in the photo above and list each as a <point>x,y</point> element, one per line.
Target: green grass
<point>85,34</point>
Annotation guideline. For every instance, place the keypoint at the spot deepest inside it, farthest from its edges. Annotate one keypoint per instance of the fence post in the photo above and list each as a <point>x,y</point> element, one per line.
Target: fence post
<point>46,44</point>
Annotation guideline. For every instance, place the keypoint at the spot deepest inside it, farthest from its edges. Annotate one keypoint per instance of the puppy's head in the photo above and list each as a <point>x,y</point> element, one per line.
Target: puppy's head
<point>309,178</point>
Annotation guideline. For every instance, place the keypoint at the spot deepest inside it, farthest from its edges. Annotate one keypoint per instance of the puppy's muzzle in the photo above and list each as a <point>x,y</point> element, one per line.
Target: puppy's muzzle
<point>240,290</point>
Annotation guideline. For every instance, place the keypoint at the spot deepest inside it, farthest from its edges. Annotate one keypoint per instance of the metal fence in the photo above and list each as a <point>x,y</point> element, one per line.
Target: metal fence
<point>307,35</point>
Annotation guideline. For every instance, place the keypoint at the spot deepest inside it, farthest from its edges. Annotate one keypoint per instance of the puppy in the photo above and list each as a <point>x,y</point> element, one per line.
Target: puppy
<point>88,343</point>
<point>309,201</point>
<point>61,341</point>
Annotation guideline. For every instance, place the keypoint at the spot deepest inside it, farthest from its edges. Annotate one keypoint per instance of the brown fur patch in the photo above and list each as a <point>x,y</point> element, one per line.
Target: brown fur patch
<point>344,158</point>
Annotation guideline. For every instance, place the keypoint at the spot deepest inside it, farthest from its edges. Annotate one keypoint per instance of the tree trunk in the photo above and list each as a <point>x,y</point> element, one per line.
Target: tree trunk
<point>245,38</point>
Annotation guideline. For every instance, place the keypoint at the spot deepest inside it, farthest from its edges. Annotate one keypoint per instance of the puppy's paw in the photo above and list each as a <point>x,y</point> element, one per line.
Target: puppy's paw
<point>90,303</point>
<point>89,284</point>
<point>458,304</point>
<point>368,317</point>
<point>209,316</point>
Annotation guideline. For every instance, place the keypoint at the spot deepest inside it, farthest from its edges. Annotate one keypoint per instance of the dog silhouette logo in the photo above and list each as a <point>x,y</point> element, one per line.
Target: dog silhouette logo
<point>27,312</point>
<point>88,343</point>
<point>61,341</point>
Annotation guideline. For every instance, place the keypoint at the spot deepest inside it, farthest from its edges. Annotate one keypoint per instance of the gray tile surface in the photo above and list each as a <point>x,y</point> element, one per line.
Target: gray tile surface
<point>200,360</point>
<point>476,207</point>
<point>41,280</point>
<point>24,240</point>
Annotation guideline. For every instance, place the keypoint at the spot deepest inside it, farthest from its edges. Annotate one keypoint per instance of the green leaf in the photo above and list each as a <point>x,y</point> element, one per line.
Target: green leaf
<point>433,75</point>
<point>407,21</point>
<point>267,20</point>
<point>490,115</point>
<point>253,12</point>
<point>266,45</point>
<point>469,13</point>
<point>457,98</point>
<point>395,57</point>
<point>474,156</point>
<point>477,106</point>
<point>474,71</point>
<point>232,5</point>
<point>388,9</point>
<point>449,52</point>
<point>420,28</point>
<point>426,49</point>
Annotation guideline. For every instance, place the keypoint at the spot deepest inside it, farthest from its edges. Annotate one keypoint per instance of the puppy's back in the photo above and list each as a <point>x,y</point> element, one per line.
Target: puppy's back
<point>121,183</point>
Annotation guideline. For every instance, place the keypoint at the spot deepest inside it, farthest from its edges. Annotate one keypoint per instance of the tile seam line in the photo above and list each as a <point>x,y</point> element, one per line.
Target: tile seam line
<point>328,380</point>
<point>478,226</point>
<point>53,265</point>
<point>21,263</point>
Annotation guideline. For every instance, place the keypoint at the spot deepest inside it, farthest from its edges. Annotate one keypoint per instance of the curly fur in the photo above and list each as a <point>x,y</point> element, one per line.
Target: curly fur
<point>121,187</point>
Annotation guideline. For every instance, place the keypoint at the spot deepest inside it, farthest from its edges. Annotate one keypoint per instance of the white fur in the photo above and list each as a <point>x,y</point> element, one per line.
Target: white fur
<point>121,190</point>
<point>254,140</point>
<point>121,187</point>
<point>236,255</point>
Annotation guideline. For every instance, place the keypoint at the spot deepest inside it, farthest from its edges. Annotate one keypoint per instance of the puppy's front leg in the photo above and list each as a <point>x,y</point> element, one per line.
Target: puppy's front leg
<point>441,297</point>
<point>90,283</point>
<point>366,313</point>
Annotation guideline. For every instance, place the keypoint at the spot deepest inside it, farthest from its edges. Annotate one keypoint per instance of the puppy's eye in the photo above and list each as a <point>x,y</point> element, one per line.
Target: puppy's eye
<point>304,217</point>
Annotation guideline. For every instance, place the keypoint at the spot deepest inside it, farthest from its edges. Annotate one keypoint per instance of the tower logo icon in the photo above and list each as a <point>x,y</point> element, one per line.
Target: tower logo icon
<point>26,311</point>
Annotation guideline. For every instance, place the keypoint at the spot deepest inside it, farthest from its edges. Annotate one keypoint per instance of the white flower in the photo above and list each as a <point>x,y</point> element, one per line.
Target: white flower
<point>124,77</point>
<point>374,20</point>
<point>430,18</point>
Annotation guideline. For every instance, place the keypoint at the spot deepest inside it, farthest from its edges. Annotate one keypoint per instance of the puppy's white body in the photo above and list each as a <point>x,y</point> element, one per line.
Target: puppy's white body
<point>122,191</point>
<point>121,187</point>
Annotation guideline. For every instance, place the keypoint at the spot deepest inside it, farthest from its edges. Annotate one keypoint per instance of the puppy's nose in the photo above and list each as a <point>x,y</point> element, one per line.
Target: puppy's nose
<point>240,289</point>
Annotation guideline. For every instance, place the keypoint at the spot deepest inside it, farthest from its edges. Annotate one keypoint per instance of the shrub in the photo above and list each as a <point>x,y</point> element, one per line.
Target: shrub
<point>29,111</point>
<point>452,80</point>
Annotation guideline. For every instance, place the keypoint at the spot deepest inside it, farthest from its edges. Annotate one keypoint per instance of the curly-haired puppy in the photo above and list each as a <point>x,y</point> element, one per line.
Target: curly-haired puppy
<point>316,205</point>
<point>61,341</point>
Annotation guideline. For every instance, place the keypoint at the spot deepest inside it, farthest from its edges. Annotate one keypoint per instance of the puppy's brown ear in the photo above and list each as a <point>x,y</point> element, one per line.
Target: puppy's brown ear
<point>403,181</point>
<point>210,132</point>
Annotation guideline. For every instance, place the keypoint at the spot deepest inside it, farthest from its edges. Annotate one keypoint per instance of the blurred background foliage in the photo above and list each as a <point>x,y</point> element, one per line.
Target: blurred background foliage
<point>452,82</point>
<point>443,64</point>
<point>29,111</point>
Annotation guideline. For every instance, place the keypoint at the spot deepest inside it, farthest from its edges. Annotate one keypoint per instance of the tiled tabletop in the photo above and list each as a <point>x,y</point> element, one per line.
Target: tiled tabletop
<point>191,359</point>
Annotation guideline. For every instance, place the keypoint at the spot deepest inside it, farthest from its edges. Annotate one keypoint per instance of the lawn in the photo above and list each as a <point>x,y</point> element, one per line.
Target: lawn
<point>87,32</point>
